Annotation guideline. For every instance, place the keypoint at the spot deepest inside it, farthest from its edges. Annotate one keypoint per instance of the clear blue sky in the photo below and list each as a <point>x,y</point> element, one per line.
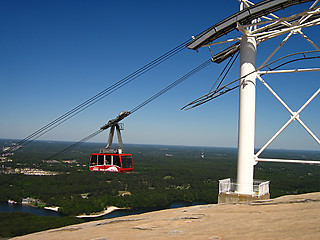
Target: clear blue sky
<point>57,54</point>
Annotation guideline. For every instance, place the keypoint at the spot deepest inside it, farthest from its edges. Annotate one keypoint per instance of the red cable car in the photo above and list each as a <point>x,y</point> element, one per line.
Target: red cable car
<point>112,160</point>
<point>104,162</point>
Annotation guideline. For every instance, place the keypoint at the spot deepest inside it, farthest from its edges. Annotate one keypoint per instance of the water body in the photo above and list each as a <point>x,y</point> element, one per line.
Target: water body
<point>5,207</point>
<point>128,212</point>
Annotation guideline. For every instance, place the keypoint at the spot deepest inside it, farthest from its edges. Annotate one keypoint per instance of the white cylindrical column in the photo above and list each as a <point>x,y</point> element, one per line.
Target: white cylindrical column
<point>246,115</point>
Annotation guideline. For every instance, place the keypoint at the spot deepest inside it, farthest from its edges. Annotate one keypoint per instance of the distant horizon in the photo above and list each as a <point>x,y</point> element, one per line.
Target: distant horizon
<point>59,54</point>
<point>164,145</point>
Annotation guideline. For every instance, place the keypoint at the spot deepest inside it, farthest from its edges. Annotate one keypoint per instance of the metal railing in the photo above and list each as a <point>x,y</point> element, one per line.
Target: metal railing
<point>228,185</point>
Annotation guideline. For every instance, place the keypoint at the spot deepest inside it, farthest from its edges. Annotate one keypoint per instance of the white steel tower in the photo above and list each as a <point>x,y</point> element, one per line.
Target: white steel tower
<point>247,100</point>
<point>257,23</point>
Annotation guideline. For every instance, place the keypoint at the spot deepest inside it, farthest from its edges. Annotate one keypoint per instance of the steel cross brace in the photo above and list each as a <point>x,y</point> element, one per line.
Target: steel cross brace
<point>294,116</point>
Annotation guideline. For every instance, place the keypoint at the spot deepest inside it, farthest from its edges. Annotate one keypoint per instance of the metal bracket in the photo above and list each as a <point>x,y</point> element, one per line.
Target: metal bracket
<point>114,124</point>
<point>108,148</point>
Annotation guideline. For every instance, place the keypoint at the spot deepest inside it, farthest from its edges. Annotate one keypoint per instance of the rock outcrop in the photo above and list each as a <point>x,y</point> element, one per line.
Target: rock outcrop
<point>287,217</point>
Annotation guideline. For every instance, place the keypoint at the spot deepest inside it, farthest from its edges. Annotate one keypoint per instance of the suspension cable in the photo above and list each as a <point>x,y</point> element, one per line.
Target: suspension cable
<point>172,85</point>
<point>81,107</point>
<point>158,94</point>
<point>67,149</point>
<point>218,92</point>
<point>227,88</point>
<point>231,60</point>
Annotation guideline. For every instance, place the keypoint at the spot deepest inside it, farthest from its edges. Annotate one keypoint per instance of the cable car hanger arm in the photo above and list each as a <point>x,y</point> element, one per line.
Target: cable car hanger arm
<point>113,122</point>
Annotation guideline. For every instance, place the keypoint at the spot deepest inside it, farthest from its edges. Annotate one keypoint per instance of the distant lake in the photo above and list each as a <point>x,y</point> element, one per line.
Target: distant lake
<point>128,212</point>
<point>5,207</point>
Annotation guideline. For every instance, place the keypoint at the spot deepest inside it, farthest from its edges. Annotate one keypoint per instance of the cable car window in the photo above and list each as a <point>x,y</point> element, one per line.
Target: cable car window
<point>93,160</point>
<point>108,159</point>
<point>126,161</point>
<point>116,160</point>
<point>100,159</point>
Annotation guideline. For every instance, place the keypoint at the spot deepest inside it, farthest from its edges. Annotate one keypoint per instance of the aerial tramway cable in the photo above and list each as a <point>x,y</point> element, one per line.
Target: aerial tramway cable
<point>67,149</point>
<point>76,110</point>
<point>210,96</point>
<point>228,87</point>
<point>228,68</point>
<point>158,94</point>
<point>175,83</point>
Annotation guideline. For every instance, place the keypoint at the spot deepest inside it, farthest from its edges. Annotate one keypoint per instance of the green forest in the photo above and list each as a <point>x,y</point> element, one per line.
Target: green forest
<point>17,224</point>
<point>161,175</point>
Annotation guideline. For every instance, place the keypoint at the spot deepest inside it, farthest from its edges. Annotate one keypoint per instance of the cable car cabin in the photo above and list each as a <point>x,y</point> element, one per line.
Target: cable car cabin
<point>108,162</point>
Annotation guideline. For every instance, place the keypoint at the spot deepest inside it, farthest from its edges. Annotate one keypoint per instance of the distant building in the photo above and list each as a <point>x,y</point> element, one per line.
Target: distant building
<point>70,161</point>
<point>124,193</point>
<point>50,161</point>
<point>84,195</point>
<point>31,201</point>
<point>28,200</point>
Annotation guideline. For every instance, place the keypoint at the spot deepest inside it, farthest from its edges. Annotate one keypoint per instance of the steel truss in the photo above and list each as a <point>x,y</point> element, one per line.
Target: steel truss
<point>262,29</point>
<point>290,28</point>
<point>294,116</point>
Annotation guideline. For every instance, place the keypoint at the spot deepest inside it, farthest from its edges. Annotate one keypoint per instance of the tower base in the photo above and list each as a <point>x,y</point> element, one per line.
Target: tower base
<point>240,198</point>
<point>228,191</point>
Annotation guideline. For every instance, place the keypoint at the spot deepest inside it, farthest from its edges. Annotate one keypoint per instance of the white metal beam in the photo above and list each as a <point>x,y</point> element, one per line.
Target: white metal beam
<point>308,13</point>
<point>280,45</point>
<point>294,116</point>
<point>291,71</point>
<point>289,110</point>
<point>226,41</point>
<point>308,39</point>
<point>271,34</point>
<point>287,161</point>
<point>304,18</point>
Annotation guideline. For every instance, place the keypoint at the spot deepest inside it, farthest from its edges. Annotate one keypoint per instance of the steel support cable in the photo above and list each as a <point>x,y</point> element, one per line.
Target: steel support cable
<point>158,94</point>
<point>103,94</point>
<point>49,128</point>
<point>189,74</point>
<point>114,87</point>
<point>224,89</point>
<point>219,92</point>
<point>231,60</point>
<point>76,144</point>
<point>175,83</point>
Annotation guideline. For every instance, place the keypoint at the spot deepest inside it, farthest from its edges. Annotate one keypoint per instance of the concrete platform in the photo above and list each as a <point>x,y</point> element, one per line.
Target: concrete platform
<point>225,198</point>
